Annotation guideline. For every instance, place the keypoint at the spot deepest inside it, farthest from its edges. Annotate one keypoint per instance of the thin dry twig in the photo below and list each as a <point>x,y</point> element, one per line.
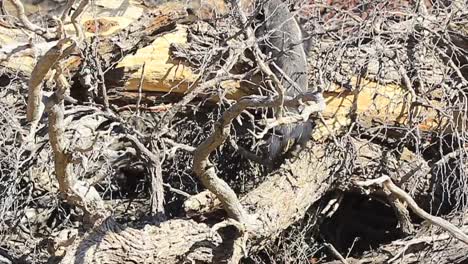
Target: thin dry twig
<point>140,85</point>
<point>74,19</point>
<point>336,253</point>
<point>20,13</point>
<point>386,182</point>
<point>157,193</point>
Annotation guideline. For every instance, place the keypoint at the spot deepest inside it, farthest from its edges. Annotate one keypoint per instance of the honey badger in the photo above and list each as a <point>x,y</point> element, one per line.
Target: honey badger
<point>282,41</point>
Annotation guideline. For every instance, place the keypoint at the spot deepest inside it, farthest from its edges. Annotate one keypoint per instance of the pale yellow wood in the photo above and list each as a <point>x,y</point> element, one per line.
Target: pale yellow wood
<point>161,73</point>
<point>117,13</point>
<point>371,102</point>
<point>387,104</point>
<point>376,104</point>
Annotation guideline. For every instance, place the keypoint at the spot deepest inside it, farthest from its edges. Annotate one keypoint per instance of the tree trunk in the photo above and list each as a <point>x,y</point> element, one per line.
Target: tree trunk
<point>277,203</point>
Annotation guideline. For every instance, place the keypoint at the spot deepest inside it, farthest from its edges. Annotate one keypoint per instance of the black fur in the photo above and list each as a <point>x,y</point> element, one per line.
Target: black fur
<point>284,43</point>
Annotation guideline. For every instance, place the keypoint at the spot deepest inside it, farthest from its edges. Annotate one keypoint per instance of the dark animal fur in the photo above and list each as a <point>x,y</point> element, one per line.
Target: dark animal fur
<point>284,43</point>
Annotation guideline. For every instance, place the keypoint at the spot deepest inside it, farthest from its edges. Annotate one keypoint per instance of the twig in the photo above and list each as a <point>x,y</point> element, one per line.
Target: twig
<point>20,13</point>
<point>386,182</point>
<point>66,10</point>
<point>220,76</point>
<point>336,253</point>
<point>348,13</point>
<point>452,65</point>
<point>140,86</point>
<point>176,146</point>
<point>174,190</point>
<point>304,116</point>
<point>417,241</point>
<point>259,57</point>
<point>75,22</point>
<point>407,81</point>
<point>152,109</point>
<point>446,158</point>
<point>157,192</point>
<point>332,205</point>
<point>205,171</point>
<point>105,98</point>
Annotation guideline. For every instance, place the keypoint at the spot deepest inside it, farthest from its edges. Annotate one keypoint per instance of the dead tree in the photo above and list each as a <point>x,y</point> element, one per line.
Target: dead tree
<point>391,140</point>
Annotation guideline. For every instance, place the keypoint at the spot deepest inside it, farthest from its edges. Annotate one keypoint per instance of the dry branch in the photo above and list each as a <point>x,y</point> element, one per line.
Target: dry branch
<point>276,204</point>
<point>43,66</point>
<point>205,170</point>
<point>20,13</point>
<point>284,197</point>
<point>386,182</point>
<point>370,101</point>
<point>74,19</point>
<point>165,75</point>
<point>157,194</point>
<point>74,191</point>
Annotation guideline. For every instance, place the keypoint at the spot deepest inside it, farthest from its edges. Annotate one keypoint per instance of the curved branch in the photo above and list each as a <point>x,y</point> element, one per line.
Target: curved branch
<point>43,66</point>
<point>386,182</point>
<point>277,203</point>
<point>20,13</point>
<point>206,171</point>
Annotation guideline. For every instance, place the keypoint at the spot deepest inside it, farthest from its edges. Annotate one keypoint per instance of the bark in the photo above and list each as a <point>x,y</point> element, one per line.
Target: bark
<point>277,203</point>
<point>280,201</point>
<point>425,249</point>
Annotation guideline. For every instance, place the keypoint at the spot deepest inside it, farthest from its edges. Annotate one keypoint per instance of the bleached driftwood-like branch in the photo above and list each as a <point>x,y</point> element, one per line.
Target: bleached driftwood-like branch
<point>386,182</point>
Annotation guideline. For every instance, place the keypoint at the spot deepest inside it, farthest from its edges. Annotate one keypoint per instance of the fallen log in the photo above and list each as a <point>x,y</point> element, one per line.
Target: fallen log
<point>283,199</point>
<point>277,203</point>
<point>368,102</point>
